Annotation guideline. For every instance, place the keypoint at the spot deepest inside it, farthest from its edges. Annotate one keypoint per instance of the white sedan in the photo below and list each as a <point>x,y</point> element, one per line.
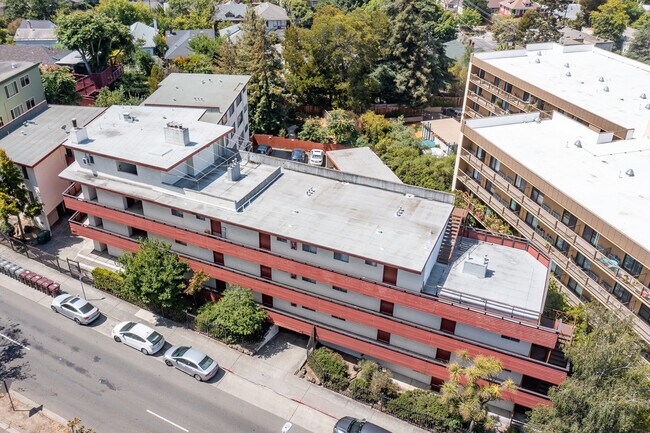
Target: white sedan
<point>317,157</point>
<point>138,336</point>
<point>75,308</point>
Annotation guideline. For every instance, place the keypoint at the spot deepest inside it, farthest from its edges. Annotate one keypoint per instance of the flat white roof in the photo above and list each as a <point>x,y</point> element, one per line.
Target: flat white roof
<point>625,79</point>
<point>593,175</point>
<point>362,161</point>
<point>143,140</point>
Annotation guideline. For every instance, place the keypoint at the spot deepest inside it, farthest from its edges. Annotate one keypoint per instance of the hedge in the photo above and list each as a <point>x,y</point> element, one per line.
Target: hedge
<point>110,282</point>
<point>424,408</point>
<point>329,367</point>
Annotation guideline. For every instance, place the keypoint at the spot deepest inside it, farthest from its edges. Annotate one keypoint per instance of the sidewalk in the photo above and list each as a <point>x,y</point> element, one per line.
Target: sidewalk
<point>266,380</point>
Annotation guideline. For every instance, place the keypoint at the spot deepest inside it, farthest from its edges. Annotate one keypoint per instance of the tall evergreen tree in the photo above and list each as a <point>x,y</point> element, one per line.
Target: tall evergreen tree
<point>15,199</point>
<point>259,59</point>
<point>639,48</point>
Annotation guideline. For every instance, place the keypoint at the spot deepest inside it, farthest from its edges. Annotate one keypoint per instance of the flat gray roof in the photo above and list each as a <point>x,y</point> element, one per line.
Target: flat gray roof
<point>513,279</point>
<point>362,161</point>
<point>35,138</point>
<point>448,129</point>
<point>198,90</point>
<point>625,79</point>
<point>353,218</point>
<point>110,135</point>
<point>593,175</point>
<point>11,69</point>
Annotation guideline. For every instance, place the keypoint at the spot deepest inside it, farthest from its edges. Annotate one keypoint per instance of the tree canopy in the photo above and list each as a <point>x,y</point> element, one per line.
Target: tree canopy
<point>610,21</point>
<point>125,11</point>
<point>15,199</point>
<point>639,48</point>
<point>31,9</point>
<point>59,85</point>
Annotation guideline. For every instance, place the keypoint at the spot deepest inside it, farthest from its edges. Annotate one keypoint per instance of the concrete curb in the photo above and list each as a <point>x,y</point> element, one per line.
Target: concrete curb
<point>8,428</point>
<point>48,413</point>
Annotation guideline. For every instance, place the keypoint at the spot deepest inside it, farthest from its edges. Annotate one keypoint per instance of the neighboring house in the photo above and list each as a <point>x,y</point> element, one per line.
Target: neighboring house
<point>233,11</point>
<point>145,34</point>
<point>569,13</point>
<point>576,37</point>
<point>21,89</point>
<point>178,41</point>
<point>362,264</point>
<point>443,133</point>
<point>361,161</point>
<point>234,33</point>
<point>36,32</point>
<point>516,8</point>
<point>34,143</point>
<point>494,6</point>
<point>32,53</point>
<point>223,97</point>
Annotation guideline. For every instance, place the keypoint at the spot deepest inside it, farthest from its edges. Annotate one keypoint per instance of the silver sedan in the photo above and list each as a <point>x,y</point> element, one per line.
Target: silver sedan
<point>138,336</point>
<point>191,361</point>
<point>75,308</point>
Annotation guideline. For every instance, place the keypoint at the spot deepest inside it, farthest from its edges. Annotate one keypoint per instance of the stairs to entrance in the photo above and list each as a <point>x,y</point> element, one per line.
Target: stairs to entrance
<point>450,236</point>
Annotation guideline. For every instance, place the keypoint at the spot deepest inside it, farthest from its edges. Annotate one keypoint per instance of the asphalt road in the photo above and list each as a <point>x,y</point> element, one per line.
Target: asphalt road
<point>77,371</point>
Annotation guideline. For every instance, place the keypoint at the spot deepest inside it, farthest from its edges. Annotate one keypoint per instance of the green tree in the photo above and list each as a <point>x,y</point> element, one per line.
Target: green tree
<point>346,5</point>
<point>236,317</point>
<point>470,18</point>
<point>610,21</point>
<point>144,61</point>
<point>155,276</point>
<point>536,27</point>
<point>31,9</point>
<point>186,14</point>
<point>97,37</point>
<point>312,130</point>
<point>125,11</point>
<point>15,199</point>
<point>506,31</point>
<point>341,127</point>
<point>155,77</point>
<point>227,58</point>
<point>372,383</point>
<point>424,408</point>
<point>471,386</point>
<point>299,12</point>
<point>374,126</point>
<point>609,388</point>
<point>59,85</point>
<point>203,44</point>
<point>459,71</point>
<point>107,97</point>
<point>331,63</point>
<point>259,59</point>
<point>196,283</point>
<point>160,45</point>
<point>639,48</point>
<point>194,64</point>
<point>555,300</point>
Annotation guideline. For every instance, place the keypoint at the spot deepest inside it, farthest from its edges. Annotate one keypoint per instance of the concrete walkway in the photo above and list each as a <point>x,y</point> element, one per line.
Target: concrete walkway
<point>266,380</point>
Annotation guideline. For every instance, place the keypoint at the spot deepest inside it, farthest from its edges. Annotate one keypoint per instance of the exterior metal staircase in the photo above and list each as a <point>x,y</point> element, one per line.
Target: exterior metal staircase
<point>450,236</point>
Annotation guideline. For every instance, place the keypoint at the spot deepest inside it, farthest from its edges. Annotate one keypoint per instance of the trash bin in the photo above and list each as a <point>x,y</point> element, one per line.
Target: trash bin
<point>17,272</point>
<point>43,284</point>
<point>5,267</point>
<point>43,237</point>
<point>54,289</point>
<point>25,276</point>
<point>32,280</point>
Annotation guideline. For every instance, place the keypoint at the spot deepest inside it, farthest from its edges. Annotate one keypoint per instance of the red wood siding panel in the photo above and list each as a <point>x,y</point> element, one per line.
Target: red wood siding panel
<point>387,324</point>
<point>494,324</point>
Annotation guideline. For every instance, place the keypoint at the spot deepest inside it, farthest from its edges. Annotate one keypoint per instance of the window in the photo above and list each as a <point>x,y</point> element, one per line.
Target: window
<point>17,111</point>
<point>200,218</point>
<point>481,73</point>
<point>2,122</point>
<point>342,257</point>
<point>531,220</point>
<point>505,337</point>
<point>590,235</point>
<point>632,266</point>
<point>90,158</point>
<point>480,153</point>
<point>537,196</point>
<point>526,97</point>
<point>180,242</point>
<point>240,118</point>
<point>575,288</point>
<point>477,176</point>
<point>505,105</point>
<point>283,240</point>
<point>30,103</point>
<point>495,164</point>
<point>231,110</point>
<point>383,336</point>
<point>497,81</point>
<point>177,213</point>
<point>294,305</point>
<point>294,276</point>
<point>569,220</point>
<point>339,289</point>
<point>520,183</point>
<point>582,261</point>
<point>489,186</point>
<point>479,91</point>
<point>294,245</point>
<point>309,280</point>
<point>644,313</point>
<point>507,87</point>
<point>125,167</point>
<point>540,104</point>
<point>24,81</point>
<point>25,174</point>
<point>621,294</point>
<point>369,263</point>
<point>11,89</point>
<point>239,98</point>
<point>514,206</point>
<point>493,99</point>
<point>561,244</point>
<point>309,248</point>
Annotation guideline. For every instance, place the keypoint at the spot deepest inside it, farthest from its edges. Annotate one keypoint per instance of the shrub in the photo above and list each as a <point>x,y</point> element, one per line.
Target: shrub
<point>423,408</point>
<point>206,317</point>
<point>329,367</point>
<point>109,281</point>
<point>7,228</point>
<point>372,383</point>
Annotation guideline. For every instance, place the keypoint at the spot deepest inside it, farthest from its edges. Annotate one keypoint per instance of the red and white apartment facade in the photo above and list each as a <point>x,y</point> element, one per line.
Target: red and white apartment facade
<point>365,265</point>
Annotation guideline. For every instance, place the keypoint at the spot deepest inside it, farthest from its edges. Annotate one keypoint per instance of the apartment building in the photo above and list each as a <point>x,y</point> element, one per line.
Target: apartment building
<point>33,141</point>
<point>569,171</point>
<point>362,264</point>
<point>20,89</point>
<point>223,97</point>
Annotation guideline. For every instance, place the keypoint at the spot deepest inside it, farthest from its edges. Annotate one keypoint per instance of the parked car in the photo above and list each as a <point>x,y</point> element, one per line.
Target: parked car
<point>298,155</point>
<point>191,361</point>
<point>264,149</point>
<point>347,424</point>
<point>317,157</point>
<point>452,112</point>
<point>75,308</point>
<point>138,336</point>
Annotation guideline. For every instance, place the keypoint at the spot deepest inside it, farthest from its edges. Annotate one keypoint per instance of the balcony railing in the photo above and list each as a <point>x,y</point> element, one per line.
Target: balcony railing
<point>511,98</point>
<point>486,104</point>
<point>592,286</point>
<point>80,219</point>
<point>584,247</point>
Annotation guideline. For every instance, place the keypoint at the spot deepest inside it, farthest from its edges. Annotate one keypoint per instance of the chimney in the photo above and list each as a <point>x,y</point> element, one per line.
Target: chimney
<point>233,171</point>
<point>78,135</point>
<point>176,134</point>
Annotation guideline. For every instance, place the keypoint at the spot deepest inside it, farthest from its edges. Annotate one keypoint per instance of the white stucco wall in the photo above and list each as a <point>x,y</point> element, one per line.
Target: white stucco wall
<point>413,346</point>
<point>164,214</point>
<point>48,185</point>
<point>492,339</point>
<point>240,234</point>
<point>416,316</point>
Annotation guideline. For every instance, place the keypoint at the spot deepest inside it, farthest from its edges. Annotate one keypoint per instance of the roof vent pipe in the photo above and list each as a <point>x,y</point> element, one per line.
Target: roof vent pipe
<point>537,61</point>
<point>642,95</point>
<point>566,65</point>
<point>630,172</point>
<point>601,79</point>
<point>568,74</point>
<point>606,89</point>
<point>578,144</point>
<point>74,123</point>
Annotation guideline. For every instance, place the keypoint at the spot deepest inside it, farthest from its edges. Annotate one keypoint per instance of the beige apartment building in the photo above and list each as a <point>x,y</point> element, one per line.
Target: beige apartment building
<point>556,142</point>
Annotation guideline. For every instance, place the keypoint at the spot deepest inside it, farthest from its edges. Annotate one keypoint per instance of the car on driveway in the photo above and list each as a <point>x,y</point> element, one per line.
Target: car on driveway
<point>298,155</point>
<point>138,336</point>
<point>264,149</point>
<point>75,308</point>
<point>348,424</point>
<point>191,361</point>
<point>317,157</point>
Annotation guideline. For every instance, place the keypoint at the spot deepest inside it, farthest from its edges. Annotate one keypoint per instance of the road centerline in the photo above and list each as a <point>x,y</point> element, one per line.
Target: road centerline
<point>166,420</point>
<point>15,342</point>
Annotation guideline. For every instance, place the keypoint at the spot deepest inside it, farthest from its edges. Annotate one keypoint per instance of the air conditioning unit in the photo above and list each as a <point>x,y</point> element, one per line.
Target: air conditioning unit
<point>84,161</point>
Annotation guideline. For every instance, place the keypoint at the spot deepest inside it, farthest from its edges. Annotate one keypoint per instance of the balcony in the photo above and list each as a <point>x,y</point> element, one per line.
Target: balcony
<point>513,100</point>
<point>550,220</point>
<point>493,108</point>
<point>593,287</point>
